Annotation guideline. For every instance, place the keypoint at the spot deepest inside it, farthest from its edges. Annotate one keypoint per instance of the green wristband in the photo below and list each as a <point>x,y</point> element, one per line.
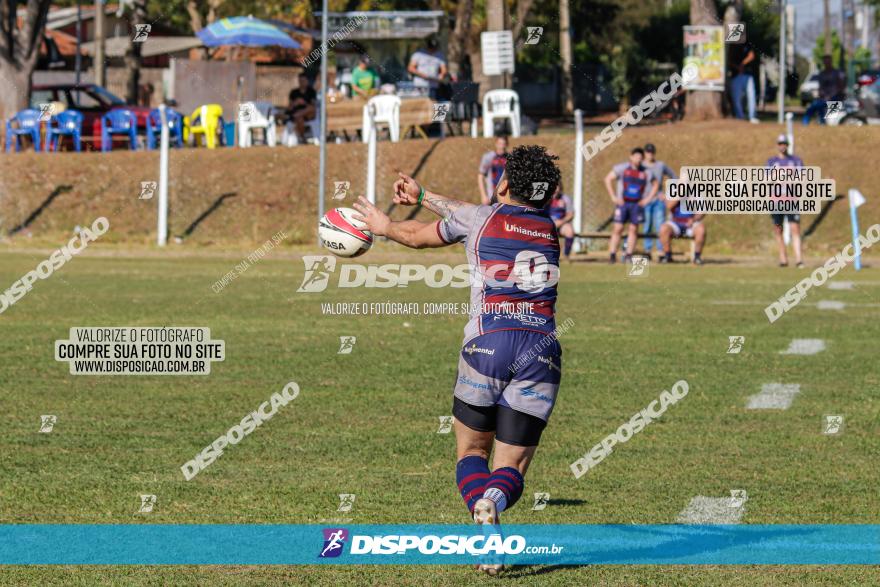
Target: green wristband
<point>421,195</point>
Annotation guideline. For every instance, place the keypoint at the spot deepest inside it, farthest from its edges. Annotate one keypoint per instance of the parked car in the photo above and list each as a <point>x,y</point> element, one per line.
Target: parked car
<point>93,101</point>
<point>809,90</point>
<point>865,109</point>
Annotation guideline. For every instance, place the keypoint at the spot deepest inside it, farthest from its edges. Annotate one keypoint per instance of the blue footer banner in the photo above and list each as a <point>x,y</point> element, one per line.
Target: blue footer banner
<point>256,544</point>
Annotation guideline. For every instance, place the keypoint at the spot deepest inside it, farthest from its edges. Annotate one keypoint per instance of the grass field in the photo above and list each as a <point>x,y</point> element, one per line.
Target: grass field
<point>366,423</point>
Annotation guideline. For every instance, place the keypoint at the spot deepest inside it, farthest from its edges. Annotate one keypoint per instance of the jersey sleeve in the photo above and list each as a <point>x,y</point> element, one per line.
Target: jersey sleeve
<point>458,226</point>
<point>669,171</point>
<point>619,169</point>
<point>485,162</point>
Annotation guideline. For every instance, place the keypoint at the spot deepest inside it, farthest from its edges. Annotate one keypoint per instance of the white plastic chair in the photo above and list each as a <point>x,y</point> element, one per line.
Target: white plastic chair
<point>386,110</point>
<point>498,104</point>
<point>259,115</point>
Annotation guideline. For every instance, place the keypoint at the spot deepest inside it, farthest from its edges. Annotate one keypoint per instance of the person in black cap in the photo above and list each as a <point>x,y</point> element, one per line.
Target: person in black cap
<point>428,67</point>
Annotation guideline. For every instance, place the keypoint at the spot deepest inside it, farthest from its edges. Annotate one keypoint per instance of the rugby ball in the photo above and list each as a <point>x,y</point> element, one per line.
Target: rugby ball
<point>342,234</point>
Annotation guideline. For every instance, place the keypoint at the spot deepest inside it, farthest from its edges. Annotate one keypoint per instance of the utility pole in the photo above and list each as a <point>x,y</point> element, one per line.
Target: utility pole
<point>783,15</point>
<point>565,53</point>
<point>826,33</point>
<point>495,22</point>
<point>98,65</point>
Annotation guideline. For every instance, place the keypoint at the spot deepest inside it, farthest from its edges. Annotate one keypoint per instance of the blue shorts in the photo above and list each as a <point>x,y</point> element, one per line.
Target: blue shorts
<point>518,369</point>
<point>777,218</point>
<point>629,212</point>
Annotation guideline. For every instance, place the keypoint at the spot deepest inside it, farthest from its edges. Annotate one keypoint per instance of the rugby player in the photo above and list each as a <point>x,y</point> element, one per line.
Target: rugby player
<point>680,224</point>
<point>629,200</point>
<point>491,167</point>
<point>561,210</point>
<point>510,364</point>
<point>783,159</point>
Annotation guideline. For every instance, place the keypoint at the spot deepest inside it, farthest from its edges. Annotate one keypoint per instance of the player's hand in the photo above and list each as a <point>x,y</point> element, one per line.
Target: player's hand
<point>377,221</point>
<point>619,201</point>
<point>406,190</point>
<point>643,202</point>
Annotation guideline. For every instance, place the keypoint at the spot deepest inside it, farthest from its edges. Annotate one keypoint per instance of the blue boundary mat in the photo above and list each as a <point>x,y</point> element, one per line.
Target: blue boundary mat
<point>255,544</point>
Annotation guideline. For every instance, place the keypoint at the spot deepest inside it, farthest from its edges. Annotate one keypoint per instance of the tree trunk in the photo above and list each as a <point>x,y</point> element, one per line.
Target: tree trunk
<point>132,57</point>
<point>522,12</point>
<point>565,54</point>
<point>703,104</point>
<point>458,42</point>
<point>14,89</point>
<point>19,49</point>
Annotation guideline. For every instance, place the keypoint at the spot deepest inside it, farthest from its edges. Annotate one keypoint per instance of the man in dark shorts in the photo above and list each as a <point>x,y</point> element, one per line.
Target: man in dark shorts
<point>783,159</point>
<point>510,364</point>
<point>630,198</point>
<point>682,224</point>
<point>302,105</point>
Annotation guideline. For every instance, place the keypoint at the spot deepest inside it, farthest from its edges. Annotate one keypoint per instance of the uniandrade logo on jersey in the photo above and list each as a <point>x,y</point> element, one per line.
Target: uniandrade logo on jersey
<point>528,232</point>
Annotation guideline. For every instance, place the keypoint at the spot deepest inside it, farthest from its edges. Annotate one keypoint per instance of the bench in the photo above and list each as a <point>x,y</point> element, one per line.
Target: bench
<point>607,235</point>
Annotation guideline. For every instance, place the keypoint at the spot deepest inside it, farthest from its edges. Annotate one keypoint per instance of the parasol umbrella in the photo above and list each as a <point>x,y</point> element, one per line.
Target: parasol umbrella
<point>245,31</point>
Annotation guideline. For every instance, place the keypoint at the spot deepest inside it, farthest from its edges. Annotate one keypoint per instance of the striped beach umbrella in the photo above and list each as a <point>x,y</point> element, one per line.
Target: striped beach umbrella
<point>245,31</point>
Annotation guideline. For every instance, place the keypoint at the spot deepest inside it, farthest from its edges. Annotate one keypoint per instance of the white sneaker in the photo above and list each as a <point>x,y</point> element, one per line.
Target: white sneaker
<point>485,513</point>
<point>754,121</point>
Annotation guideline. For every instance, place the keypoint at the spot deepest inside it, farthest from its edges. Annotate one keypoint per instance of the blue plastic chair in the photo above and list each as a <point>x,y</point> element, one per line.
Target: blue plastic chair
<point>175,127</point>
<point>118,122</point>
<point>68,123</point>
<point>27,122</point>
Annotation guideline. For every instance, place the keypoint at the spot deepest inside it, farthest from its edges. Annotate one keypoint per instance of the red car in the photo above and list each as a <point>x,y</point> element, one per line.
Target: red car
<point>93,101</point>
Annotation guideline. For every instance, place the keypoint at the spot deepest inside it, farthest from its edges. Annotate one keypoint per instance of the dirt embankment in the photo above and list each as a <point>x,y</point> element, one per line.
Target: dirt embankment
<point>237,197</point>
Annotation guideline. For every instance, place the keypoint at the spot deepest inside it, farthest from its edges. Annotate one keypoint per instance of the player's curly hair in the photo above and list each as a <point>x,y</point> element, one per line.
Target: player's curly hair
<point>527,166</point>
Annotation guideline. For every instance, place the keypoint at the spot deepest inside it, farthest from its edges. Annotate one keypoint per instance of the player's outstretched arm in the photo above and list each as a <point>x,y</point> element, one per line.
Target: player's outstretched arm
<point>410,233</point>
<point>407,193</point>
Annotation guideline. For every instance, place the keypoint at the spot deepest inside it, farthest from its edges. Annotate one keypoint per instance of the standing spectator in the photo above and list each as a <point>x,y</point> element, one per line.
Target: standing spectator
<point>365,81</point>
<point>561,210</point>
<point>629,200</point>
<point>832,87</point>
<point>655,212</point>
<point>783,159</point>
<point>428,67</point>
<point>302,105</point>
<point>743,71</point>
<point>491,167</point>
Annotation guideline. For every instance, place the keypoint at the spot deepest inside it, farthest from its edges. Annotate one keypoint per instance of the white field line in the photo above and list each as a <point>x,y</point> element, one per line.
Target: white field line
<point>830,305</point>
<point>774,396</point>
<point>804,346</point>
<point>712,510</point>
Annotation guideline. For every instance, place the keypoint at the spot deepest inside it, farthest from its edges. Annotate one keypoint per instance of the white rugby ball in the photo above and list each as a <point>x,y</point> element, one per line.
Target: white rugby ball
<point>343,234</point>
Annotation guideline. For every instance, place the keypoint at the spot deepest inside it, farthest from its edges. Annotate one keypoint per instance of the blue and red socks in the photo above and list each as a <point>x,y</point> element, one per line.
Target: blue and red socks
<point>504,487</point>
<point>471,474</point>
<point>568,243</point>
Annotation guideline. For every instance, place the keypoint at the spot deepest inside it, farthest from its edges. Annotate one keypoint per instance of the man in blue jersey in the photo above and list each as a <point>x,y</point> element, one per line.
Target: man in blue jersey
<point>491,167</point>
<point>655,212</point>
<point>510,363</point>
<point>636,188</point>
<point>561,210</point>
<point>783,159</point>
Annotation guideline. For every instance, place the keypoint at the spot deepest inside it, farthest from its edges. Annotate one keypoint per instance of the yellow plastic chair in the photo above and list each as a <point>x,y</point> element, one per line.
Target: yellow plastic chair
<point>205,120</point>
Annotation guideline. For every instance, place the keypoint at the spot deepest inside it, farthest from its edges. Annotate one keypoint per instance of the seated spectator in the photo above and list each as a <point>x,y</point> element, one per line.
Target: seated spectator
<point>302,105</point>
<point>364,79</point>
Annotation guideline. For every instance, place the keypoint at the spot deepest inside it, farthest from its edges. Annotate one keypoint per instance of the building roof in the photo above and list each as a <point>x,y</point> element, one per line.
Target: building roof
<point>116,46</point>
